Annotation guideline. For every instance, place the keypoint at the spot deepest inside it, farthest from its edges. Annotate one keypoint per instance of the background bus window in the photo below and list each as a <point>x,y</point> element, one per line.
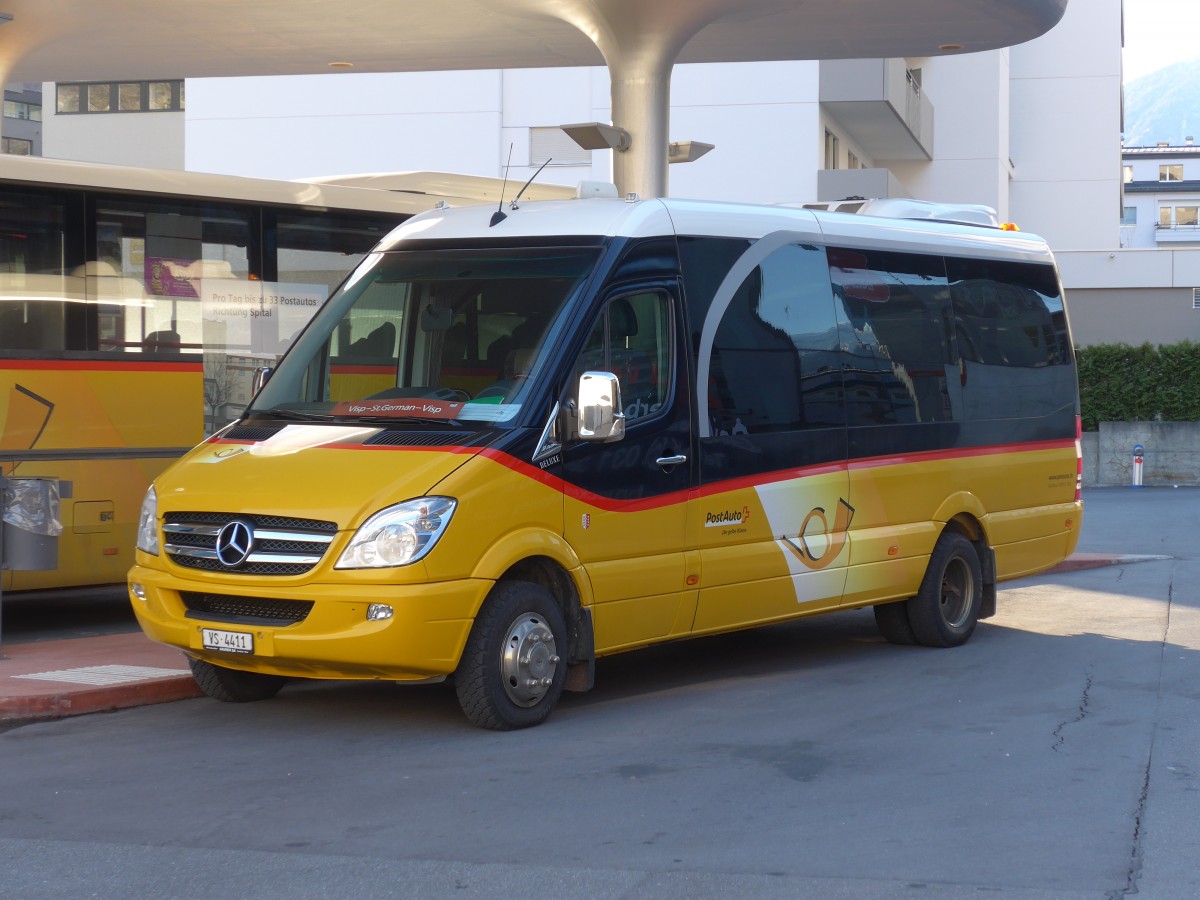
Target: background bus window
<point>321,247</point>
<point>171,251</point>
<point>897,325</point>
<point>34,286</point>
<point>173,282</point>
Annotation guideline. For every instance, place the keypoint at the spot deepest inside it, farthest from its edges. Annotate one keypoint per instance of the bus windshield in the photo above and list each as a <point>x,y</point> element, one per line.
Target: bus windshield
<point>430,335</point>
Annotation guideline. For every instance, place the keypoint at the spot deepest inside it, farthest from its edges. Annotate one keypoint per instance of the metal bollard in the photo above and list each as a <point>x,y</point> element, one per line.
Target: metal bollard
<point>1138,458</point>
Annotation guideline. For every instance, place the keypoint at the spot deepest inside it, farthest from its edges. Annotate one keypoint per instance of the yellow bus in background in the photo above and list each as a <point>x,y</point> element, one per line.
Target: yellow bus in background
<point>135,306</point>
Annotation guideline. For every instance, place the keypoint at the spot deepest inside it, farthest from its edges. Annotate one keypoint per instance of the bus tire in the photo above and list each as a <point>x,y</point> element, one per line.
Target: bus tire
<point>892,620</point>
<point>946,608</point>
<point>234,685</point>
<point>511,673</point>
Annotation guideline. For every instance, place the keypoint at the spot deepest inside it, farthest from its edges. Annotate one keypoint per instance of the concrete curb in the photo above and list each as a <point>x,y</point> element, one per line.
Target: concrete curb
<point>62,703</point>
<point>54,679</point>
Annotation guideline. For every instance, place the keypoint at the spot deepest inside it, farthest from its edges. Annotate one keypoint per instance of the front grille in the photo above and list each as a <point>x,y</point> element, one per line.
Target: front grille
<point>250,432</point>
<point>244,610</point>
<point>421,438</point>
<point>280,546</point>
<point>246,568</point>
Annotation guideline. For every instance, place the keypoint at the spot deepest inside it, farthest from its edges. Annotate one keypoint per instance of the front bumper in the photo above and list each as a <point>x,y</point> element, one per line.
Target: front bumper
<point>422,641</point>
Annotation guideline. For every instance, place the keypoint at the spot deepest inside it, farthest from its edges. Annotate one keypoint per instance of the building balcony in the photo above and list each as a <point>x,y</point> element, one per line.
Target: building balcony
<point>880,105</point>
<point>1177,234</point>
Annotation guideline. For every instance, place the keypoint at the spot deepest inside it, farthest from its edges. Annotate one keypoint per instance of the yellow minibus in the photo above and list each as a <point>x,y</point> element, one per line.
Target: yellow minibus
<point>512,443</point>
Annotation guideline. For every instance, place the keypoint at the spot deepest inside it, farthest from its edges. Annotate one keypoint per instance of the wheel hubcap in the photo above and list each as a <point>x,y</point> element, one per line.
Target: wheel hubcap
<point>528,661</point>
<point>958,593</point>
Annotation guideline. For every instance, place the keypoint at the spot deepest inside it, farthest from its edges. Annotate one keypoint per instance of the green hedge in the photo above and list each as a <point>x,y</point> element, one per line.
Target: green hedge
<point>1121,383</point>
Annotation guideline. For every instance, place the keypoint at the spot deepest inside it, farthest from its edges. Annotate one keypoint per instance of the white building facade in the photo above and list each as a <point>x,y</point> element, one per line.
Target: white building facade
<point>1033,131</point>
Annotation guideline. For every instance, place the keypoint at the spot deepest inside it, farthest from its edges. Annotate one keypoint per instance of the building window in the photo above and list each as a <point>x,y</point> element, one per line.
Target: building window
<point>100,97</point>
<point>1127,174</point>
<point>1186,215</point>
<point>555,145</point>
<point>16,146</point>
<point>1129,215</point>
<point>831,150</point>
<point>17,109</point>
<point>120,96</point>
<point>852,160</point>
<point>1164,217</point>
<point>1171,172</point>
<point>68,98</point>
<point>129,97</point>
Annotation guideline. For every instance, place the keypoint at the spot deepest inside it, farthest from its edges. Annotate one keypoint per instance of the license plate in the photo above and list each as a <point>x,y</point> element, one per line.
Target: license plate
<point>229,641</point>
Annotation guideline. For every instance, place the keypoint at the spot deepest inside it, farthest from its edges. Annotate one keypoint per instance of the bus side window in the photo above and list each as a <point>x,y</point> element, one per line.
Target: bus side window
<point>1007,313</point>
<point>898,332</point>
<point>774,364</point>
<point>632,339</point>
<point>1011,332</point>
<point>17,332</point>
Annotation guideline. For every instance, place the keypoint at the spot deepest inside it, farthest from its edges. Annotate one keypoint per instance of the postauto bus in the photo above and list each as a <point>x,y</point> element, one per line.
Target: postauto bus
<point>511,444</point>
<point>135,306</point>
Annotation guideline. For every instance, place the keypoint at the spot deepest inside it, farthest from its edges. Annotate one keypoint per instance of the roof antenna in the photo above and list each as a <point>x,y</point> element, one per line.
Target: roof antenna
<point>499,215</point>
<point>513,205</point>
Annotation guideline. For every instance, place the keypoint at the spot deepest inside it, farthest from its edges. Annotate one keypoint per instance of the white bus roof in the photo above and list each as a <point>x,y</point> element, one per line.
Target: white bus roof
<point>646,218</point>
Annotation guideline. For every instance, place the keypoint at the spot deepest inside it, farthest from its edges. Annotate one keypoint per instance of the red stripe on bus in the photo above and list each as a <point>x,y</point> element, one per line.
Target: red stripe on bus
<point>920,456</point>
<point>748,482</point>
<point>99,365</point>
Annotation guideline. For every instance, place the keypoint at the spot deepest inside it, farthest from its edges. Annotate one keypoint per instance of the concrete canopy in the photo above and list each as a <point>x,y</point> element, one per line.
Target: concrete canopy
<point>639,40</point>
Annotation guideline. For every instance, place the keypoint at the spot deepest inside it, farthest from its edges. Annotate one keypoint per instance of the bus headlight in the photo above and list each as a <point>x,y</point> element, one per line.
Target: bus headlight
<point>147,533</point>
<point>398,535</point>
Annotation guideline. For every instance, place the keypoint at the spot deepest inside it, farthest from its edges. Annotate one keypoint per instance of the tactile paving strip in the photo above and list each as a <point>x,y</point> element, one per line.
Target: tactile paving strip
<point>105,674</point>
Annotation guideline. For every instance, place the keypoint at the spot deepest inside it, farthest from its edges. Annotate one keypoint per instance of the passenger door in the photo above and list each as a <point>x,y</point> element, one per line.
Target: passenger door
<point>771,516</point>
<point>626,501</point>
<point>903,408</point>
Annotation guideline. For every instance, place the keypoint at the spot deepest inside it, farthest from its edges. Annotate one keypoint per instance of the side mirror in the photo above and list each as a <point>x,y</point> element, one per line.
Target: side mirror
<point>600,416</point>
<point>260,378</point>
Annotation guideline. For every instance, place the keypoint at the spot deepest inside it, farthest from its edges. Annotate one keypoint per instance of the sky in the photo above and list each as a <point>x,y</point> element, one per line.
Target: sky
<point>1159,33</point>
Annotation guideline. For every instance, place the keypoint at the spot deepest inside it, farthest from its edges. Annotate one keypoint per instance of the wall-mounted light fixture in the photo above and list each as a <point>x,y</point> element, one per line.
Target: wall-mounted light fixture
<point>598,136</point>
<point>687,151</point>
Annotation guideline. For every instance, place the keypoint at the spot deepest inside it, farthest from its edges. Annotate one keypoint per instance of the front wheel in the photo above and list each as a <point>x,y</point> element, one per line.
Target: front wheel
<point>234,685</point>
<point>511,673</point>
<point>946,608</point>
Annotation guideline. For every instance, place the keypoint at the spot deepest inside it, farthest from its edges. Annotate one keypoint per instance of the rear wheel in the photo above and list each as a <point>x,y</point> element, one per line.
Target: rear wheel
<point>511,673</point>
<point>233,685</point>
<point>946,608</point>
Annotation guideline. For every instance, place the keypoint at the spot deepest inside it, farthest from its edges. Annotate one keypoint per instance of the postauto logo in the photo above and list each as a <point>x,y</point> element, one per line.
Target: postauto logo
<point>727,517</point>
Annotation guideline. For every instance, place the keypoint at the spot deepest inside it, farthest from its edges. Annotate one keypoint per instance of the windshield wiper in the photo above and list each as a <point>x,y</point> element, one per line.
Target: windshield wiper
<point>279,412</point>
<point>392,420</point>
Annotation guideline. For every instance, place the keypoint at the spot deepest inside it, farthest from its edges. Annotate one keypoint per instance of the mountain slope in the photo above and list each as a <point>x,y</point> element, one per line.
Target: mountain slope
<point>1164,106</point>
